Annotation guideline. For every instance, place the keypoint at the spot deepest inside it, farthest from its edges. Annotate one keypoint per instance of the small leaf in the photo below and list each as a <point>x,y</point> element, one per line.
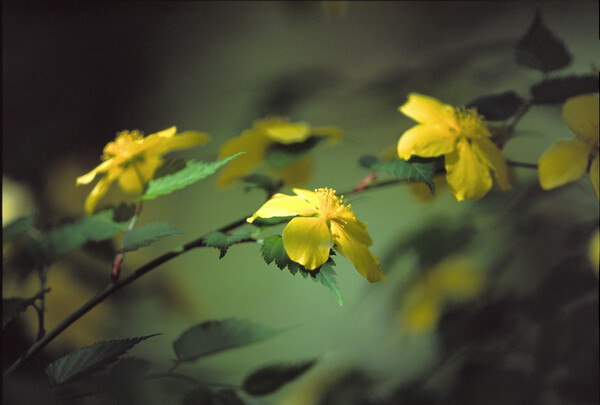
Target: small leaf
<point>11,307</point>
<point>17,227</point>
<point>146,235</point>
<point>540,49</point>
<point>402,169</point>
<point>193,172</point>
<point>326,276</point>
<point>269,379</point>
<point>280,155</point>
<point>216,336</point>
<point>559,89</point>
<point>264,222</point>
<point>261,181</point>
<point>272,249</point>
<point>497,107</point>
<point>89,359</point>
<point>223,242</point>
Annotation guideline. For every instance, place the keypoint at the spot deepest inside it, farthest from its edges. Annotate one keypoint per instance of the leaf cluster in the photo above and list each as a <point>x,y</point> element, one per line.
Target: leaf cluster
<point>421,170</point>
<point>223,241</point>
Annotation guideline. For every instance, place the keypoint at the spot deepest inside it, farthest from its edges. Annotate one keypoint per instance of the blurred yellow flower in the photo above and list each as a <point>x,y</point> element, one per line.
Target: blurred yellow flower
<point>460,135</point>
<point>568,160</point>
<point>324,222</point>
<point>456,278</point>
<point>132,159</point>
<point>265,133</point>
<point>594,250</point>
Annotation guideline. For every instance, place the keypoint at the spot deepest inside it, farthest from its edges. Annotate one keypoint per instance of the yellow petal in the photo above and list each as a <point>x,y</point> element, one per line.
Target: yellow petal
<point>423,314</point>
<point>426,141</point>
<point>254,143</point>
<point>456,277</point>
<point>358,253</point>
<point>137,174</point>
<point>594,174</point>
<point>287,132</point>
<point>352,227</point>
<point>281,205</point>
<point>103,167</point>
<point>594,250</point>
<point>298,172</point>
<point>99,191</point>
<point>468,177</point>
<point>580,113</point>
<point>166,133</point>
<point>334,134</point>
<point>489,153</point>
<point>183,140</point>
<point>428,110</point>
<point>310,196</point>
<point>562,163</point>
<point>307,241</point>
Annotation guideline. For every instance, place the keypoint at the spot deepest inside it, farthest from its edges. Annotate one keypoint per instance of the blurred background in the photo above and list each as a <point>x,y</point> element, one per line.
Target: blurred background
<point>487,302</point>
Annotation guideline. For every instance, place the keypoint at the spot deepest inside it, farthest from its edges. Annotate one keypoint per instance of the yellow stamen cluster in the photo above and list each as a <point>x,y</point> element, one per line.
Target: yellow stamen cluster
<point>331,205</point>
<point>124,144</point>
<point>469,123</point>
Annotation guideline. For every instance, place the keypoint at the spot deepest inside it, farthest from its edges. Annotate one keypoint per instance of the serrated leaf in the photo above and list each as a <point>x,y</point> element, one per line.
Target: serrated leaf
<point>193,172</point>
<point>269,379</point>
<point>279,155</point>
<point>17,227</point>
<point>89,359</point>
<point>59,241</point>
<point>169,167</point>
<point>540,49</point>
<point>146,235</point>
<point>223,242</point>
<point>11,307</point>
<point>559,89</point>
<point>497,107</point>
<point>403,169</point>
<point>326,276</point>
<point>272,249</point>
<point>212,337</point>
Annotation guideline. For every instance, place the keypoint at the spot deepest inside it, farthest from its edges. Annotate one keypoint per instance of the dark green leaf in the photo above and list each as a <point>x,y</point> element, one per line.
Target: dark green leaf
<point>263,222</point>
<point>280,155</point>
<point>540,49</point>
<point>11,307</point>
<point>497,107</point>
<point>124,212</point>
<point>272,249</point>
<point>419,171</point>
<point>193,172</point>
<point>89,359</point>
<point>559,89</point>
<point>222,241</point>
<point>169,167</point>
<point>146,235</point>
<point>326,276</point>
<point>261,181</point>
<point>215,336</point>
<point>269,379</point>
<point>17,227</point>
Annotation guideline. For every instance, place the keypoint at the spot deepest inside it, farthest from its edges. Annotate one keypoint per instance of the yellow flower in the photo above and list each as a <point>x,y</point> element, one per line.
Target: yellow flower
<point>459,135</point>
<point>256,141</point>
<point>456,278</point>
<point>132,159</point>
<point>324,222</point>
<point>568,160</point>
<point>594,250</point>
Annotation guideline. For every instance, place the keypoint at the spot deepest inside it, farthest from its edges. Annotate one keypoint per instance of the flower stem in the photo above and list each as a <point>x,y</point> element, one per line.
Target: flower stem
<point>522,164</point>
<point>42,307</point>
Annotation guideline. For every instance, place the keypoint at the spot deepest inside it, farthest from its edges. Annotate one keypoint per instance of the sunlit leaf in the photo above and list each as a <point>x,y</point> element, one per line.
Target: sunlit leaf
<point>17,227</point>
<point>193,172</point>
<point>273,250</point>
<point>402,169</point>
<point>223,242</point>
<point>557,90</point>
<point>146,235</point>
<point>269,379</point>
<point>212,337</point>
<point>89,359</point>
<point>540,49</point>
<point>280,155</point>
<point>497,107</point>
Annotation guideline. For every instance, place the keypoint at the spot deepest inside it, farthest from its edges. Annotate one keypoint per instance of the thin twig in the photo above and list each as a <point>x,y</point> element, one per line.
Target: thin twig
<point>521,164</point>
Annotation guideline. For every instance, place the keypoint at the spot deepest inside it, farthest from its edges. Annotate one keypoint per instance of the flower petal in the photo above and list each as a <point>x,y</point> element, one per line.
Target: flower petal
<point>426,141</point>
<point>580,113</point>
<point>307,241</point>
<point>297,172</point>
<point>334,134</point>
<point>468,177</point>
<point>355,229</point>
<point>489,153</point>
<point>100,190</point>
<point>89,177</point>
<point>422,314</point>
<point>358,253</point>
<point>287,132</point>
<point>562,163</point>
<point>594,174</point>
<point>183,140</point>
<point>310,196</point>
<point>281,205</point>
<point>133,178</point>
<point>254,143</point>
<point>428,110</point>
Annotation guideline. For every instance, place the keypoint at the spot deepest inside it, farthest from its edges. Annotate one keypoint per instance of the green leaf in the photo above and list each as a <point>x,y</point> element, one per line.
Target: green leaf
<point>418,170</point>
<point>222,241</point>
<point>205,396</point>
<point>540,49</point>
<point>498,107</point>
<point>193,172</point>
<point>261,181</point>
<point>264,222</point>
<point>11,307</point>
<point>17,227</point>
<point>559,89</point>
<point>326,276</point>
<point>89,359</point>
<point>170,166</point>
<point>59,241</point>
<point>272,249</point>
<point>146,235</point>
<point>211,337</point>
<point>280,155</point>
<point>269,379</point>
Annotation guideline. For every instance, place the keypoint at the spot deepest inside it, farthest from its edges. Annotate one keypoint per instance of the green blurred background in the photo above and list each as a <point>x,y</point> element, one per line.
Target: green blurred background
<point>75,73</point>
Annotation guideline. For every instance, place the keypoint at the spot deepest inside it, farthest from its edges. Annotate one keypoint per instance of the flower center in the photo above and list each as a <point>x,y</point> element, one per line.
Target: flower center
<point>330,206</point>
<point>469,124</point>
<point>125,145</point>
